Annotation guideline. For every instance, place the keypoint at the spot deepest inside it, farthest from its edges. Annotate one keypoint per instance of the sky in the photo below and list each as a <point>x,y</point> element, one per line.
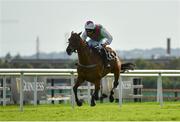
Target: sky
<point>143,24</point>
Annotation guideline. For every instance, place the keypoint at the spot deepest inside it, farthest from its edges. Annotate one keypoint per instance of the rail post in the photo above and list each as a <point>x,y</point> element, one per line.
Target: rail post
<point>4,90</point>
<point>35,90</point>
<point>89,93</point>
<point>120,91</point>
<point>21,91</point>
<point>159,90</point>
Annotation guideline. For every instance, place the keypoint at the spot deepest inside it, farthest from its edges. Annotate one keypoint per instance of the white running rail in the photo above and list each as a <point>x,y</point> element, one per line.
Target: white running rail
<point>71,74</point>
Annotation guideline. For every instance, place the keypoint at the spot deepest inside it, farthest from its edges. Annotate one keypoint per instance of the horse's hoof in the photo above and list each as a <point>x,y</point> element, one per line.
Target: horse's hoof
<point>79,103</point>
<point>93,104</point>
<point>111,98</point>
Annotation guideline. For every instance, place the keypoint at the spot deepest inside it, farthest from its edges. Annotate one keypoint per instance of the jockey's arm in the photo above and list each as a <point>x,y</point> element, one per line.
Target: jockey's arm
<point>107,36</point>
<point>84,36</point>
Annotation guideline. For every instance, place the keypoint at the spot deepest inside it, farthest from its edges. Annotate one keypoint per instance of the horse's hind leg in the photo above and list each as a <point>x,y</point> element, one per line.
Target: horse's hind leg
<point>78,83</point>
<point>115,84</point>
<point>95,95</point>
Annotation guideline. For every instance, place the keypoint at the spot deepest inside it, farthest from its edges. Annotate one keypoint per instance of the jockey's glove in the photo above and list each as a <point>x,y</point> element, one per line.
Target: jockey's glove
<point>98,47</point>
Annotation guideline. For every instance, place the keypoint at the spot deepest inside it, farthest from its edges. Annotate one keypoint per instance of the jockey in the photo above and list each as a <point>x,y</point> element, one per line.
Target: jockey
<point>99,37</point>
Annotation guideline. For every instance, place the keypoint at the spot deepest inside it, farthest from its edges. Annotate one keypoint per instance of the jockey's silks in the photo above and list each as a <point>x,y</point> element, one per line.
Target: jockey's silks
<point>96,36</point>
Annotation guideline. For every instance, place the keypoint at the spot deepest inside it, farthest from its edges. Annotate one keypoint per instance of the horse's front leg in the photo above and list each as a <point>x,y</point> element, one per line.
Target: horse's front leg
<point>95,95</point>
<point>78,83</point>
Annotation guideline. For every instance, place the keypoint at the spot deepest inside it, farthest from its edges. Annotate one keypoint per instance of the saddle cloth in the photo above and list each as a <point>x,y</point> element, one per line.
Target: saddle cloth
<point>110,54</point>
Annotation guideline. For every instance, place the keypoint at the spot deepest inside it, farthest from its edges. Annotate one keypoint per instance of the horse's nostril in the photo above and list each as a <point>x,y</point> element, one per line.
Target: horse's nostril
<point>69,51</point>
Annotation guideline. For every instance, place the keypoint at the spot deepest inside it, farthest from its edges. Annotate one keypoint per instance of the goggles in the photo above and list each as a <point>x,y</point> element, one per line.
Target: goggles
<point>89,30</point>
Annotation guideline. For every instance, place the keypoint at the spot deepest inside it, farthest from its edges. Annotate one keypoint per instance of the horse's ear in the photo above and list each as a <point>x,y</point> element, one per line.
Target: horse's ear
<point>72,32</point>
<point>79,33</point>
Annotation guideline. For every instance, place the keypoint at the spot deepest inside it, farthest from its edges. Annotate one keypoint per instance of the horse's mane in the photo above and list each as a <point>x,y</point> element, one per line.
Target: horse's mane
<point>85,43</point>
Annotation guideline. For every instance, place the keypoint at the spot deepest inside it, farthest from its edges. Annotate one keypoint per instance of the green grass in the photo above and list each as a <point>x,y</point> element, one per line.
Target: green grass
<point>103,111</point>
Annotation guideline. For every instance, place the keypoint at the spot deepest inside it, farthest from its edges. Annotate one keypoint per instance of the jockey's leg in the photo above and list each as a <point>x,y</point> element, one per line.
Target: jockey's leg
<point>105,58</point>
<point>102,52</point>
<point>105,54</point>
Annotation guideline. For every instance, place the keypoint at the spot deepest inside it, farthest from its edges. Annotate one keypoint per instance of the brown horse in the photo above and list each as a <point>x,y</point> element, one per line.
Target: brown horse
<point>91,67</point>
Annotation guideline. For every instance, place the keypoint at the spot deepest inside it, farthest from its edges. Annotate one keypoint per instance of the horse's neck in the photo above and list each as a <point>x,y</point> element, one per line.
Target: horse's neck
<point>84,55</point>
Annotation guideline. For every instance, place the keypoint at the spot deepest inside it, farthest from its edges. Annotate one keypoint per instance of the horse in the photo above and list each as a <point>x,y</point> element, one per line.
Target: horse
<point>91,67</point>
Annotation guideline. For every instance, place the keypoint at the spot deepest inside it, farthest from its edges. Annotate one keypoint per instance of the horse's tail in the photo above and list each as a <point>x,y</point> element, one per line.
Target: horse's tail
<point>127,66</point>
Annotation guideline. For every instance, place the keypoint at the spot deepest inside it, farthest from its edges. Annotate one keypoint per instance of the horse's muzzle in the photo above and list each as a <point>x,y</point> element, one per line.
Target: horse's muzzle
<point>69,51</point>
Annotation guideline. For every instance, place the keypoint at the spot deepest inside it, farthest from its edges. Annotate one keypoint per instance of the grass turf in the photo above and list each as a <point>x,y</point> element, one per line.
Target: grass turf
<point>102,111</point>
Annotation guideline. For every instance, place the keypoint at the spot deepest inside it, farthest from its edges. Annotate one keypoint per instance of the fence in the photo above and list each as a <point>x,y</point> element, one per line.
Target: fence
<point>72,72</point>
<point>168,94</point>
